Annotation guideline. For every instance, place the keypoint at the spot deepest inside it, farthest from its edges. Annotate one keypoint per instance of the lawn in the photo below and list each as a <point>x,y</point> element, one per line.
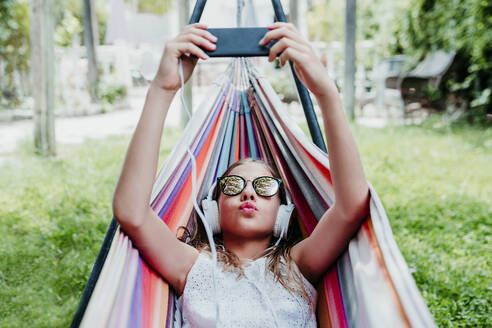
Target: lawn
<point>434,181</point>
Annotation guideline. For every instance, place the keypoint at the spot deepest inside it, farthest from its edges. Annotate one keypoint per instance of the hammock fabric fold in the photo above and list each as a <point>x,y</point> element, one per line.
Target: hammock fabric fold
<point>370,284</point>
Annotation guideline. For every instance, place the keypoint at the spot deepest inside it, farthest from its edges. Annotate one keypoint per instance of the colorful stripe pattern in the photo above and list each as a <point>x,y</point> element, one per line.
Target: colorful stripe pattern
<point>369,286</point>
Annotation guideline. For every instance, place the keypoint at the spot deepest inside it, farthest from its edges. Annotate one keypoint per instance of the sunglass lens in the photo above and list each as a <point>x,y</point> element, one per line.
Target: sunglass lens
<point>266,186</point>
<point>231,185</point>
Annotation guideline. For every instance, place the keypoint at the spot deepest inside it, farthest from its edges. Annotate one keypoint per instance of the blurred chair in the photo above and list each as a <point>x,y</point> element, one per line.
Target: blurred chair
<point>387,68</point>
<point>416,85</point>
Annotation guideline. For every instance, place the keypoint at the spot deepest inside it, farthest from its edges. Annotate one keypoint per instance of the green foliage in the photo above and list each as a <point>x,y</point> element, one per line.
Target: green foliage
<point>157,7</point>
<point>417,27</point>
<point>325,21</point>
<point>69,27</point>
<point>110,93</point>
<point>461,25</point>
<point>377,20</point>
<point>15,39</point>
<point>69,21</point>
<point>431,93</point>
<point>14,45</point>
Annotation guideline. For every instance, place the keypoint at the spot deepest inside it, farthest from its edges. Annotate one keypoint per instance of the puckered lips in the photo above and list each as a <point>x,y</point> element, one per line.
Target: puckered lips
<point>247,208</point>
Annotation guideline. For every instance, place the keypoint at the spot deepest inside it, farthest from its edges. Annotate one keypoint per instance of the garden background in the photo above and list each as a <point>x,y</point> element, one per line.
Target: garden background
<point>429,161</point>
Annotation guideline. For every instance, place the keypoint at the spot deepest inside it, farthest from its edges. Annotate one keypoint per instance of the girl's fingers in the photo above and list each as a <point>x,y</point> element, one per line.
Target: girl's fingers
<point>282,24</point>
<point>196,25</point>
<point>205,34</point>
<point>282,32</point>
<point>187,47</point>
<point>198,40</point>
<point>198,36</point>
<point>291,54</point>
<point>291,45</point>
<point>283,44</point>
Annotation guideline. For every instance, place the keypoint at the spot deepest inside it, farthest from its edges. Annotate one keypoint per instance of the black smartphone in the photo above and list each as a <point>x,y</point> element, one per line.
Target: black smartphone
<point>239,42</point>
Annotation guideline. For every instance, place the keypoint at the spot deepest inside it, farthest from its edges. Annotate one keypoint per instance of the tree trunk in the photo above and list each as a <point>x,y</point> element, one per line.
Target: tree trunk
<point>184,17</point>
<point>90,44</point>
<point>349,76</point>
<point>42,75</point>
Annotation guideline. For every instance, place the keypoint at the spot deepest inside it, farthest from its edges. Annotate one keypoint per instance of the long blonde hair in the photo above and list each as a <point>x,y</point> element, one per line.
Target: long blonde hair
<point>230,262</point>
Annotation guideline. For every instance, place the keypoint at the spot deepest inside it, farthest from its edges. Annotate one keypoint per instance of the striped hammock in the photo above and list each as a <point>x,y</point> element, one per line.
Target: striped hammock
<point>370,284</point>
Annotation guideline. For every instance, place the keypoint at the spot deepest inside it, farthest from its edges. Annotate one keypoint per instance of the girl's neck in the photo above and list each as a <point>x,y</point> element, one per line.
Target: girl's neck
<point>246,249</point>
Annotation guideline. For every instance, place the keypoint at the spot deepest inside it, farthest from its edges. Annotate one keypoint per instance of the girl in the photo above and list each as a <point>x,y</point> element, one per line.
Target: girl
<point>272,283</point>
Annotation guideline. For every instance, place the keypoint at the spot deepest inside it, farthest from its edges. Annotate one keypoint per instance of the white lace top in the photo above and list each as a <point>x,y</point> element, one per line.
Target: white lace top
<point>247,302</point>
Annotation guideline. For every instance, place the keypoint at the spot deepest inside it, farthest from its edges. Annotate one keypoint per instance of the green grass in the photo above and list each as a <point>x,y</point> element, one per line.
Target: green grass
<point>53,218</point>
<point>435,183</point>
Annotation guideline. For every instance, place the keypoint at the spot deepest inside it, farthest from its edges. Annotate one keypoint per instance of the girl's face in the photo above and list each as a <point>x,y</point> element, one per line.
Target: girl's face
<point>248,215</point>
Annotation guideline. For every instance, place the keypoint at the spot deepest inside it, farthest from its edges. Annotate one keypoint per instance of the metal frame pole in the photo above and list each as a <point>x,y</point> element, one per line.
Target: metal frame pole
<point>307,104</point>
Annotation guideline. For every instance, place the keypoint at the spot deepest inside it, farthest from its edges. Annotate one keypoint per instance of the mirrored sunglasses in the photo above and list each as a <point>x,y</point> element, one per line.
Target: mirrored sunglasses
<point>265,186</point>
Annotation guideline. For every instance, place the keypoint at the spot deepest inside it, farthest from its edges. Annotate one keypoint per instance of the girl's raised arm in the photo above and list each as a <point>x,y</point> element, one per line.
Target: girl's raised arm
<point>317,252</point>
<point>132,195</point>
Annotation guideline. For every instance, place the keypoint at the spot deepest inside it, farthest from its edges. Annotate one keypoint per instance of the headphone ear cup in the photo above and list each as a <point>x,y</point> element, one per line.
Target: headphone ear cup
<point>283,220</point>
<point>211,212</point>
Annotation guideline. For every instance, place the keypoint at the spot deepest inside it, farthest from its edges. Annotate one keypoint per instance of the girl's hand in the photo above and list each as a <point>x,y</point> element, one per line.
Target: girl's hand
<point>189,41</point>
<point>292,46</point>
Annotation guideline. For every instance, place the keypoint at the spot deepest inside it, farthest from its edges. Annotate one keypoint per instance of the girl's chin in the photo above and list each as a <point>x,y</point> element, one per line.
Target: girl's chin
<point>244,229</point>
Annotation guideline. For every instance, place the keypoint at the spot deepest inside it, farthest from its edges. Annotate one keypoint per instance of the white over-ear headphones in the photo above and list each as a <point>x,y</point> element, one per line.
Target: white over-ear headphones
<point>211,212</point>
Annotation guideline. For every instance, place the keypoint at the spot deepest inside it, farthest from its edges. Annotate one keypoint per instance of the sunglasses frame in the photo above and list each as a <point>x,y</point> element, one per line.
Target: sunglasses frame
<point>279,181</point>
